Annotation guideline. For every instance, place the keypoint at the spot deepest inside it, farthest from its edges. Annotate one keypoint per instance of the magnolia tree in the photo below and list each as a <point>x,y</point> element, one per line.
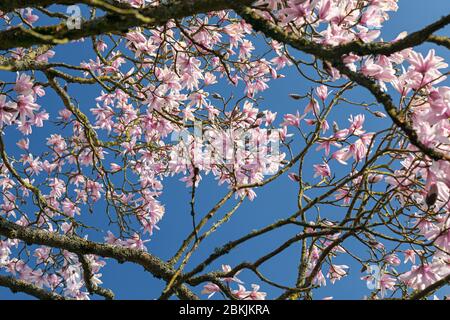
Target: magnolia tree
<point>158,117</point>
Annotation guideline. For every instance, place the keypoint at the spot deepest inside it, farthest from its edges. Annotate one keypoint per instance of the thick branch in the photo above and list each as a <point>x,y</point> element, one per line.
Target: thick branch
<point>335,57</point>
<point>412,40</point>
<point>16,285</point>
<point>81,246</point>
<point>391,109</point>
<point>113,22</point>
<point>27,62</point>
<point>92,287</point>
<point>330,53</point>
<point>431,288</point>
<point>10,5</point>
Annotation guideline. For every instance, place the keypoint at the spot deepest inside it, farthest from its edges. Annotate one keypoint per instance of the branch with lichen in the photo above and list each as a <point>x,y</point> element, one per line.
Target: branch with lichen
<point>334,56</point>
<point>80,246</point>
<point>440,40</point>
<point>16,285</point>
<point>121,21</point>
<point>90,286</point>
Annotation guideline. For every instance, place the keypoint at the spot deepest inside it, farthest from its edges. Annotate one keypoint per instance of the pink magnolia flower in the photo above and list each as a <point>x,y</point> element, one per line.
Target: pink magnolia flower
<point>241,293</point>
<point>322,170</point>
<point>53,281</point>
<point>356,124</point>
<point>429,63</point>
<point>337,272</point>
<point>292,120</point>
<point>24,84</point>
<point>270,117</point>
<point>358,150</point>
<point>255,294</point>
<point>326,144</point>
<point>319,279</point>
<point>111,239</point>
<point>8,111</point>
<point>375,178</point>
<point>115,167</point>
<point>322,92</point>
<point>67,228</point>
<point>341,134</point>
<point>58,187</point>
<point>313,105</point>
<point>380,70</point>
<point>420,277</point>
<point>283,133</point>
<point>342,155</point>
<point>24,144</point>
<point>392,259</point>
<point>43,58</point>
<point>135,242</point>
<point>366,34</point>
<point>295,10</point>
<point>70,208</point>
<point>326,10</point>
<point>226,268</point>
<point>30,17</point>
<point>210,289</point>
<point>246,48</point>
<point>39,118</point>
<point>26,107</point>
<point>37,277</point>
<point>344,194</point>
<point>410,255</point>
<point>386,282</point>
<point>101,45</point>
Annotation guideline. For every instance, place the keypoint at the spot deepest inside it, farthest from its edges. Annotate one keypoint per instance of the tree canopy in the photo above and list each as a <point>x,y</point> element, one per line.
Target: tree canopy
<point>380,164</point>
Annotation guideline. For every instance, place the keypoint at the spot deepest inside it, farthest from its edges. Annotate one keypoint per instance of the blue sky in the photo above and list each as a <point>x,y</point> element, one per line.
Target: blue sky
<point>278,200</point>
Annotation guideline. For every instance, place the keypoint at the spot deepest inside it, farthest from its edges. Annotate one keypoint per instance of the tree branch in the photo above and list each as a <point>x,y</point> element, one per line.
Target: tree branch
<point>335,57</point>
<point>329,52</point>
<point>391,109</point>
<point>440,40</point>
<point>11,5</point>
<point>121,21</point>
<point>81,246</point>
<point>16,285</point>
<point>414,39</point>
<point>87,276</point>
<point>431,288</point>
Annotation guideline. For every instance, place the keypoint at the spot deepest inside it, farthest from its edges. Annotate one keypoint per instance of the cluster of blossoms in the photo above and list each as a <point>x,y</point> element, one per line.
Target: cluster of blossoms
<point>415,77</point>
<point>69,277</point>
<point>146,124</point>
<point>159,115</point>
<point>241,293</point>
<point>335,272</point>
<point>339,21</point>
<point>22,110</point>
<point>428,106</point>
